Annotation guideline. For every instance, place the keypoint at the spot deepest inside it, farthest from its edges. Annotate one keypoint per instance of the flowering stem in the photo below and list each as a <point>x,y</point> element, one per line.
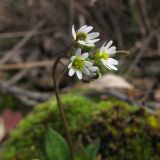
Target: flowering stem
<point>122,52</point>
<point>61,109</point>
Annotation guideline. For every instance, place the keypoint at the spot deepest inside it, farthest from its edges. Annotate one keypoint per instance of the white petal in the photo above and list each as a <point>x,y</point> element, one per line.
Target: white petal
<point>112,61</point>
<point>93,69</point>
<point>109,65</point>
<point>87,29</point>
<point>92,40</point>
<point>88,64</point>
<point>86,71</point>
<point>81,42</point>
<point>71,72</point>
<point>84,56</point>
<point>70,65</point>
<point>81,29</point>
<point>73,32</point>
<point>104,61</point>
<point>112,50</point>
<point>104,44</point>
<point>84,43</point>
<point>112,67</point>
<point>79,74</point>
<point>73,57</point>
<point>108,44</point>
<point>78,52</point>
<point>89,44</point>
<point>93,35</point>
<point>102,48</point>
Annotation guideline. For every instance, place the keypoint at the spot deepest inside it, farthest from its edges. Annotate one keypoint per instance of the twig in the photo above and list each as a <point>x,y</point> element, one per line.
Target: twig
<point>154,105</point>
<point>142,49</point>
<point>23,33</point>
<point>16,77</point>
<point>14,90</point>
<point>134,6</point>
<point>71,13</point>
<point>119,96</point>
<point>145,15</point>
<point>149,90</point>
<point>26,101</point>
<point>27,65</point>
<point>123,97</point>
<point>158,42</point>
<point>114,93</point>
<point>117,29</point>
<point>20,44</point>
<point>85,12</point>
<point>122,52</point>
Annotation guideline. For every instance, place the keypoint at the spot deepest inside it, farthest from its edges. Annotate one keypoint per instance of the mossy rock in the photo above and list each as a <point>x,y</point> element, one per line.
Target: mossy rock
<point>127,132</point>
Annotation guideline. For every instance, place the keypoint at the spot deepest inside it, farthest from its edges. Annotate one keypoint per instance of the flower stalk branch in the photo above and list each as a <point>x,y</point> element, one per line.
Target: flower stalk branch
<point>61,109</point>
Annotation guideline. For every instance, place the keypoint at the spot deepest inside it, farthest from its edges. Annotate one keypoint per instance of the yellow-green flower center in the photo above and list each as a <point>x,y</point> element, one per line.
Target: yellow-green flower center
<point>99,56</point>
<point>81,36</point>
<point>78,63</point>
<point>104,55</point>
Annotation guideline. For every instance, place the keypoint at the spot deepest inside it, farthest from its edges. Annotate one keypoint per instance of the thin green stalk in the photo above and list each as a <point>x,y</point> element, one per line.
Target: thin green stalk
<point>61,109</point>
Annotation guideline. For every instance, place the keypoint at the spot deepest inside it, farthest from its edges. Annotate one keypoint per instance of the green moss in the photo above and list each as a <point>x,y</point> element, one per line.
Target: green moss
<point>126,132</point>
<point>153,121</point>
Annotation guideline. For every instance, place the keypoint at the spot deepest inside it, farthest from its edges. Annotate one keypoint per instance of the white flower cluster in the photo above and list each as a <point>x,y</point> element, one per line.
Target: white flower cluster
<point>83,63</point>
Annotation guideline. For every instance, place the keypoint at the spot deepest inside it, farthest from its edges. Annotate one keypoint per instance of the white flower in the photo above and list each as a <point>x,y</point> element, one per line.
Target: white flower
<point>104,56</point>
<point>83,37</point>
<point>79,64</point>
<point>93,70</point>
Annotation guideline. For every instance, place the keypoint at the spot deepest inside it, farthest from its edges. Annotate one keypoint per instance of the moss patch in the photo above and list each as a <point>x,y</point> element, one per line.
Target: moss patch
<point>126,132</point>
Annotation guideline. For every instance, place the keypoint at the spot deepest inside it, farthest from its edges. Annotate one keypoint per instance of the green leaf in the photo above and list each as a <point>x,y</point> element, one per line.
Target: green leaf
<point>56,146</point>
<point>81,153</point>
<point>92,149</point>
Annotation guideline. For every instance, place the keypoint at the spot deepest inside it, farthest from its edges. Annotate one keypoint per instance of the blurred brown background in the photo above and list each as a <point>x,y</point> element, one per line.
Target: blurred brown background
<point>33,33</point>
